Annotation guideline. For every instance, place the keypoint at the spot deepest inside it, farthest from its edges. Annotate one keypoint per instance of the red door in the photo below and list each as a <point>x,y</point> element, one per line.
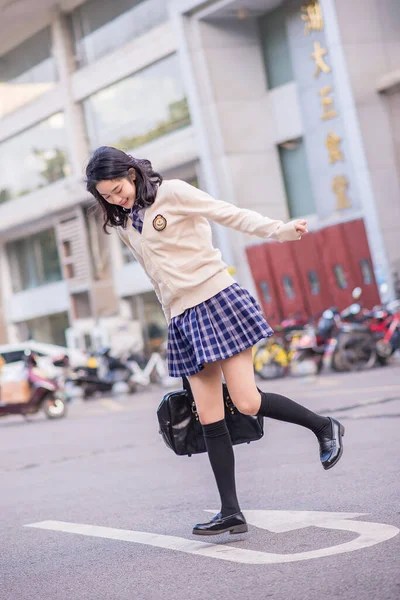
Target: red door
<point>309,265</point>
<point>360,257</point>
<point>269,300</point>
<point>338,268</point>
<point>303,278</point>
<point>287,280</point>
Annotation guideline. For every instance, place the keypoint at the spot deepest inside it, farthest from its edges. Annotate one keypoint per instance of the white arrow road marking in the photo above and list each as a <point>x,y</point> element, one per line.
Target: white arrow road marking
<point>276,521</point>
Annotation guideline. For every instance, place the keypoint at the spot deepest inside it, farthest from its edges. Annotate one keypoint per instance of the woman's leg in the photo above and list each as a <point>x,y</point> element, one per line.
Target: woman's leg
<point>206,387</point>
<point>239,376</point>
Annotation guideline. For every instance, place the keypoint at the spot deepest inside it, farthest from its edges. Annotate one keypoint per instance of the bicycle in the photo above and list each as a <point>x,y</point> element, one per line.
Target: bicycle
<point>271,359</point>
<point>155,370</point>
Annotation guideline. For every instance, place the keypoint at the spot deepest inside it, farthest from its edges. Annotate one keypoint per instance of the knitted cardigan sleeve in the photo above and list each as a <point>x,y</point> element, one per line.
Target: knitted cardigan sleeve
<point>192,201</point>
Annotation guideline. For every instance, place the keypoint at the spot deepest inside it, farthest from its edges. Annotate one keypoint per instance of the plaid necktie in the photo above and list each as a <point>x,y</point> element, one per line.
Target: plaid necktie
<point>137,221</point>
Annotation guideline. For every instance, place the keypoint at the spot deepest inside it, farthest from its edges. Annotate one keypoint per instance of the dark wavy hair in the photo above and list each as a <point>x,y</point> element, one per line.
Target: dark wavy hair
<point>111,163</point>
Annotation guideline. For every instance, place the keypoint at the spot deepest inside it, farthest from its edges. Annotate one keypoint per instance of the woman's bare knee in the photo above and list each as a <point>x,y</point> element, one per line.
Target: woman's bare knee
<point>239,376</point>
<point>248,408</point>
<point>206,387</point>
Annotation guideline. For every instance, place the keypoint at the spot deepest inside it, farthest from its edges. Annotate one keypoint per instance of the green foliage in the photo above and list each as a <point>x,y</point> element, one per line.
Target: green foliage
<point>179,117</point>
<point>5,195</point>
<point>54,163</point>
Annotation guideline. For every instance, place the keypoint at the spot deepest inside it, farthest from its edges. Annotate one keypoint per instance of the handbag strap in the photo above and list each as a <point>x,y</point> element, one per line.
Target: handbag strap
<point>187,388</point>
<point>227,400</point>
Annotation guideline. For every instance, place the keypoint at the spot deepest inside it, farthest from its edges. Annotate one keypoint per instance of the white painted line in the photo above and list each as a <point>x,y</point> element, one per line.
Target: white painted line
<point>275,521</point>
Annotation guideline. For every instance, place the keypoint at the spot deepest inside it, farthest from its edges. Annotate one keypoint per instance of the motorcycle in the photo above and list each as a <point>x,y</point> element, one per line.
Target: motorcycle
<point>308,350</point>
<point>34,392</point>
<point>103,373</point>
<point>349,345</point>
<point>383,323</point>
<point>388,332</point>
<point>338,341</point>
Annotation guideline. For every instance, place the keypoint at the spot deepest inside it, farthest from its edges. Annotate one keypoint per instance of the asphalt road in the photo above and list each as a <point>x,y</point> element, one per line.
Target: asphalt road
<point>104,473</point>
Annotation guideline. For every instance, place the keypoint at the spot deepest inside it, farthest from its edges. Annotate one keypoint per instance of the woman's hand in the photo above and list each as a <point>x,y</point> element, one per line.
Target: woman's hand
<point>292,231</point>
<point>301,227</point>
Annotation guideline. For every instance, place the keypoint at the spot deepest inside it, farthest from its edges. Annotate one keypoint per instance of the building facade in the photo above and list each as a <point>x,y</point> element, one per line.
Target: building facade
<point>287,108</point>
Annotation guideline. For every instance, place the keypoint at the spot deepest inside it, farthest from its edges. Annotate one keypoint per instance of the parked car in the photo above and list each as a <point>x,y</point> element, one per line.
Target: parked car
<point>13,355</point>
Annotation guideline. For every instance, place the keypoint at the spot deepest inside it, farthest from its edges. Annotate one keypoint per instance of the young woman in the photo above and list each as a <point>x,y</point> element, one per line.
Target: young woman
<point>213,322</point>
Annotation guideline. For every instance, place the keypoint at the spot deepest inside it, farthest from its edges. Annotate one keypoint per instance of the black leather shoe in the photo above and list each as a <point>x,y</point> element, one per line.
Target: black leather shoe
<point>219,524</point>
<point>331,445</point>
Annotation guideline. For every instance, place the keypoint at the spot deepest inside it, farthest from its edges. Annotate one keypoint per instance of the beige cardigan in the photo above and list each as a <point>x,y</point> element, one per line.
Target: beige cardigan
<point>175,247</point>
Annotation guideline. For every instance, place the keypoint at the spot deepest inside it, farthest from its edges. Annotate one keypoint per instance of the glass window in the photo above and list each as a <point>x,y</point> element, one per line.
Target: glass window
<point>47,330</point>
<point>340,277</point>
<point>24,273</point>
<point>46,241</point>
<point>193,181</point>
<point>275,48</point>
<point>67,248</point>
<point>266,294</point>
<point>366,271</point>
<point>69,271</point>
<point>26,72</point>
<point>313,282</point>
<point>99,27</point>
<point>154,321</point>
<point>188,172</point>
<point>34,158</point>
<point>296,178</point>
<point>138,109</point>
<point>99,246</point>
<point>34,261</point>
<point>288,287</point>
<point>81,305</point>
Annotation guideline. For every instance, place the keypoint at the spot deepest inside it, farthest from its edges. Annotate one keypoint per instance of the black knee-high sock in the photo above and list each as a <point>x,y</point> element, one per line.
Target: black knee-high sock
<point>220,452</point>
<point>279,407</point>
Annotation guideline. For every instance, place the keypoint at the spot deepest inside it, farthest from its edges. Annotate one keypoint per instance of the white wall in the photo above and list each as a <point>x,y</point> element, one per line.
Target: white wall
<point>45,300</point>
<point>39,205</point>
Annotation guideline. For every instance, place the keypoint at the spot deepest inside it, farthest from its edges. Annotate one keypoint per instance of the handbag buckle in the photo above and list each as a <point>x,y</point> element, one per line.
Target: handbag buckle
<point>194,410</point>
<point>229,404</point>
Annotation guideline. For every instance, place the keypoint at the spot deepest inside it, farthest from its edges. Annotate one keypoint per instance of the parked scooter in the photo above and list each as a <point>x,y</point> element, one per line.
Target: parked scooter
<point>34,393</point>
<point>383,323</point>
<point>104,373</point>
<point>342,341</point>
<point>387,331</point>
<point>349,343</point>
<point>308,349</point>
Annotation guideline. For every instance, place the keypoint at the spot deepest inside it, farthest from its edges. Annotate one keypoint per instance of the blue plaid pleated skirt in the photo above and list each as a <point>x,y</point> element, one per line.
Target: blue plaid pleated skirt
<point>218,328</point>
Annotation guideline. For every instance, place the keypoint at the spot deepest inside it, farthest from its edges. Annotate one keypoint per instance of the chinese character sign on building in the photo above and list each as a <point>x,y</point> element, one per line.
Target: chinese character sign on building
<point>324,133</point>
<point>328,110</point>
<point>312,15</point>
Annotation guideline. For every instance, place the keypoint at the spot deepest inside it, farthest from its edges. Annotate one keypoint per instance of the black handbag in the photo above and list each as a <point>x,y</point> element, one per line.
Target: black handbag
<point>181,429</point>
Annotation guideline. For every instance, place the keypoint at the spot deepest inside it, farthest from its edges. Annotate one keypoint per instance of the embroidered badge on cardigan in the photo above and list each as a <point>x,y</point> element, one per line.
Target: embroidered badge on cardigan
<point>159,223</point>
